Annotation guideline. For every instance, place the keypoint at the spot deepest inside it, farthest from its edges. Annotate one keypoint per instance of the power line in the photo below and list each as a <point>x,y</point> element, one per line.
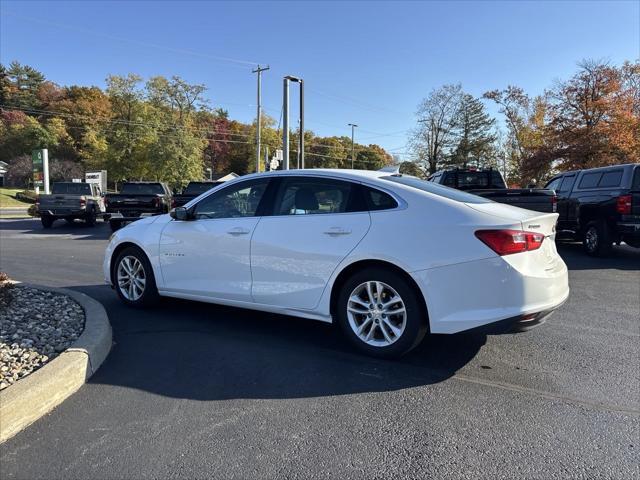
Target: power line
<point>219,58</point>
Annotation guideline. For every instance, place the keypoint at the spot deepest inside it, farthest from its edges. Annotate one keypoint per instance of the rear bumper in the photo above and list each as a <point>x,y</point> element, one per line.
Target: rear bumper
<point>473,294</point>
<point>629,229</point>
<point>62,212</point>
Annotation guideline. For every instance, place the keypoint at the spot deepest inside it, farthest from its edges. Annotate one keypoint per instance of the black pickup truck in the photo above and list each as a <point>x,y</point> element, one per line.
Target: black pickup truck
<point>489,183</point>
<point>136,200</point>
<point>599,206</point>
<point>191,191</point>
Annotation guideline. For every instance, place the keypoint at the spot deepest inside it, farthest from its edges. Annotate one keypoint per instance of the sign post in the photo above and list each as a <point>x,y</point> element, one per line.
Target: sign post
<point>40,159</point>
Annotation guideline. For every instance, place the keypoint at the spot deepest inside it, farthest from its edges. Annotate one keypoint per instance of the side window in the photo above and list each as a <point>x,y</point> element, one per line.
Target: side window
<point>590,180</point>
<point>239,200</point>
<point>307,196</point>
<point>554,184</point>
<point>377,200</point>
<point>611,179</point>
<point>567,184</point>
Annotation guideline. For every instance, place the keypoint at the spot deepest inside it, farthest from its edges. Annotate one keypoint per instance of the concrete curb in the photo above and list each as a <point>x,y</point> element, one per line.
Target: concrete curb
<point>40,392</point>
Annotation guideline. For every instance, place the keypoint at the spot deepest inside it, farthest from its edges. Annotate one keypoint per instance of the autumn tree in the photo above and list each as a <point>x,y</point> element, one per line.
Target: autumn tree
<point>594,116</point>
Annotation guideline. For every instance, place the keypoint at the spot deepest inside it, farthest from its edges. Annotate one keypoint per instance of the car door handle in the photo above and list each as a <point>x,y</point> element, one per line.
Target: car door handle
<point>333,231</point>
<point>238,231</point>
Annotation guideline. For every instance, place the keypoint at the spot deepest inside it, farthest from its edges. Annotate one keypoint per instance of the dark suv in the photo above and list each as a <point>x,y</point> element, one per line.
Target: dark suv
<point>599,206</point>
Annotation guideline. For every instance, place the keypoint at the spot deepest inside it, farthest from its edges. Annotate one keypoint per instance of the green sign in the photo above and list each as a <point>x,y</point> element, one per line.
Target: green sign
<point>37,157</point>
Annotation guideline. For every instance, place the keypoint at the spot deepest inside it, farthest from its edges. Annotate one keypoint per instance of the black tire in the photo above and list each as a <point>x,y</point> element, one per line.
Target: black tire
<point>416,321</point>
<point>115,225</point>
<point>149,296</point>
<point>597,240</point>
<point>90,218</point>
<point>47,221</point>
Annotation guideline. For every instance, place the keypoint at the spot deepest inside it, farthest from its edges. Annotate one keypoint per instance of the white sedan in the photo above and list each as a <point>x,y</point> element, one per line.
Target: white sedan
<point>388,257</point>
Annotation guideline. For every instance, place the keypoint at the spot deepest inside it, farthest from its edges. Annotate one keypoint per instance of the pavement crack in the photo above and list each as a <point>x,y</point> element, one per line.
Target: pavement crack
<point>551,396</point>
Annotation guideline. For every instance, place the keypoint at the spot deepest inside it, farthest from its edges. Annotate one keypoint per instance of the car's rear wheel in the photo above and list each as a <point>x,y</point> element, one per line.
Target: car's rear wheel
<point>597,239</point>
<point>381,313</point>
<point>133,278</point>
<point>47,221</point>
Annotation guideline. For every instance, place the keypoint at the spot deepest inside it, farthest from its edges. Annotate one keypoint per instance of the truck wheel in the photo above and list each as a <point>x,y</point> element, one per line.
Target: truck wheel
<point>47,221</point>
<point>597,239</point>
<point>115,225</point>
<point>90,218</point>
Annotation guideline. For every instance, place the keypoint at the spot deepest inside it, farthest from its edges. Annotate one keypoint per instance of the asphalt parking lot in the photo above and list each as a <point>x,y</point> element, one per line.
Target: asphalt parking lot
<point>195,390</point>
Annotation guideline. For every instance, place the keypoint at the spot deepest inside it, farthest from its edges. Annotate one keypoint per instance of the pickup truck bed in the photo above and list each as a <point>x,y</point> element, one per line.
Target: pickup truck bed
<point>137,200</point>
<point>490,184</point>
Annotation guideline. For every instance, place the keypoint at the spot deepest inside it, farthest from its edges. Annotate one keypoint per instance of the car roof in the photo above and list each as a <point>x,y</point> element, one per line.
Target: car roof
<point>324,172</point>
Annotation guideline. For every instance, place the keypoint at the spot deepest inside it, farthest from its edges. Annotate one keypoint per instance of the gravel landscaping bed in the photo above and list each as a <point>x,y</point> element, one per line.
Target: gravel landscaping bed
<point>35,327</point>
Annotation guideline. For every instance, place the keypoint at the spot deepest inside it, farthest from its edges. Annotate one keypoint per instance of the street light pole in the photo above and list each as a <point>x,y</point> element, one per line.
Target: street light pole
<point>353,150</point>
<point>285,121</point>
<point>258,120</point>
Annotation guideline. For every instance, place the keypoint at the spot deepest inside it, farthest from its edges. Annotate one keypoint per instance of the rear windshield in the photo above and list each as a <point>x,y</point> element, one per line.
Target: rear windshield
<point>142,189</point>
<point>437,189</point>
<point>71,188</point>
<point>198,188</point>
<point>473,180</point>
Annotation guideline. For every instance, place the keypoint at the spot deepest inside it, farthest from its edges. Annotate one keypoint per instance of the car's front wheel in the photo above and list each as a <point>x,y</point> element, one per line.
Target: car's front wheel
<point>381,313</point>
<point>133,278</point>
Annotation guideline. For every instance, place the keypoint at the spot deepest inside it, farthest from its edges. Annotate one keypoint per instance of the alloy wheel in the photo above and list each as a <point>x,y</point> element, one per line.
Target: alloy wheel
<point>376,313</point>
<point>131,278</point>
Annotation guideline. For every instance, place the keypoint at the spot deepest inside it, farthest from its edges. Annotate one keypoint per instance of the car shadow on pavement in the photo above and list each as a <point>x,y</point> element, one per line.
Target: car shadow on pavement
<point>621,257</point>
<point>32,226</point>
<point>200,351</point>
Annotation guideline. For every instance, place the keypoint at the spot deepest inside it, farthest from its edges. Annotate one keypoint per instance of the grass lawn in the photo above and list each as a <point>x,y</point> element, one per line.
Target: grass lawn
<point>7,200</point>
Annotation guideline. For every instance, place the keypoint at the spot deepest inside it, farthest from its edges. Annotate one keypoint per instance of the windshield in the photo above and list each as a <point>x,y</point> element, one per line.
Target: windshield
<point>142,189</point>
<point>437,189</point>
<point>196,188</point>
<point>473,180</point>
<point>71,189</point>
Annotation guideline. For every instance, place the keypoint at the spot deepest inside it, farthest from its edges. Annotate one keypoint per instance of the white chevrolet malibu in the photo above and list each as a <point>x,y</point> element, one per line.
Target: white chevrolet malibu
<point>388,257</point>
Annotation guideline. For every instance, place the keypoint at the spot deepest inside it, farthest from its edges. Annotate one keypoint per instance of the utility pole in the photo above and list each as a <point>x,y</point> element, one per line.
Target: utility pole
<point>259,71</point>
<point>353,150</point>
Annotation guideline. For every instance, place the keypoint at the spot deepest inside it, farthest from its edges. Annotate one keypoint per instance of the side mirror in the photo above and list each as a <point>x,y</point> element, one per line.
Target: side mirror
<point>180,213</point>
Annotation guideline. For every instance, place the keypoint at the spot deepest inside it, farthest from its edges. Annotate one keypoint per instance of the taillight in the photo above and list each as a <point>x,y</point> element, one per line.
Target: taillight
<point>173,203</point>
<point>507,242</point>
<point>83,201</point>
<point>156,202</point>
<point>623,204</point>
<point>554,203</point>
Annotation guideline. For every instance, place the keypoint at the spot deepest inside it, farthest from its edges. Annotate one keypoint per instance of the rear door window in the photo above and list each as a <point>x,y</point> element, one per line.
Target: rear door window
<point>611,179</point>
<point>590,180</point>
<point>313,196</point>
<point>554,184</point>
<point>567,184</point>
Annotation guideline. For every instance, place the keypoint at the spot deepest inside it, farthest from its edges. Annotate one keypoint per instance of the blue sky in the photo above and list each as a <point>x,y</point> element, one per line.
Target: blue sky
<point>368,63</point>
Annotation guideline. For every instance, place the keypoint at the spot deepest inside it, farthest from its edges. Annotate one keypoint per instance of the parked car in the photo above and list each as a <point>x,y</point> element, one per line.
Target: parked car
<point>137,200</point>
<point>388,257</point>
<point>191,191</point>
<point>600,206</point>
<point>71,200</point>
<point>490,184</point>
